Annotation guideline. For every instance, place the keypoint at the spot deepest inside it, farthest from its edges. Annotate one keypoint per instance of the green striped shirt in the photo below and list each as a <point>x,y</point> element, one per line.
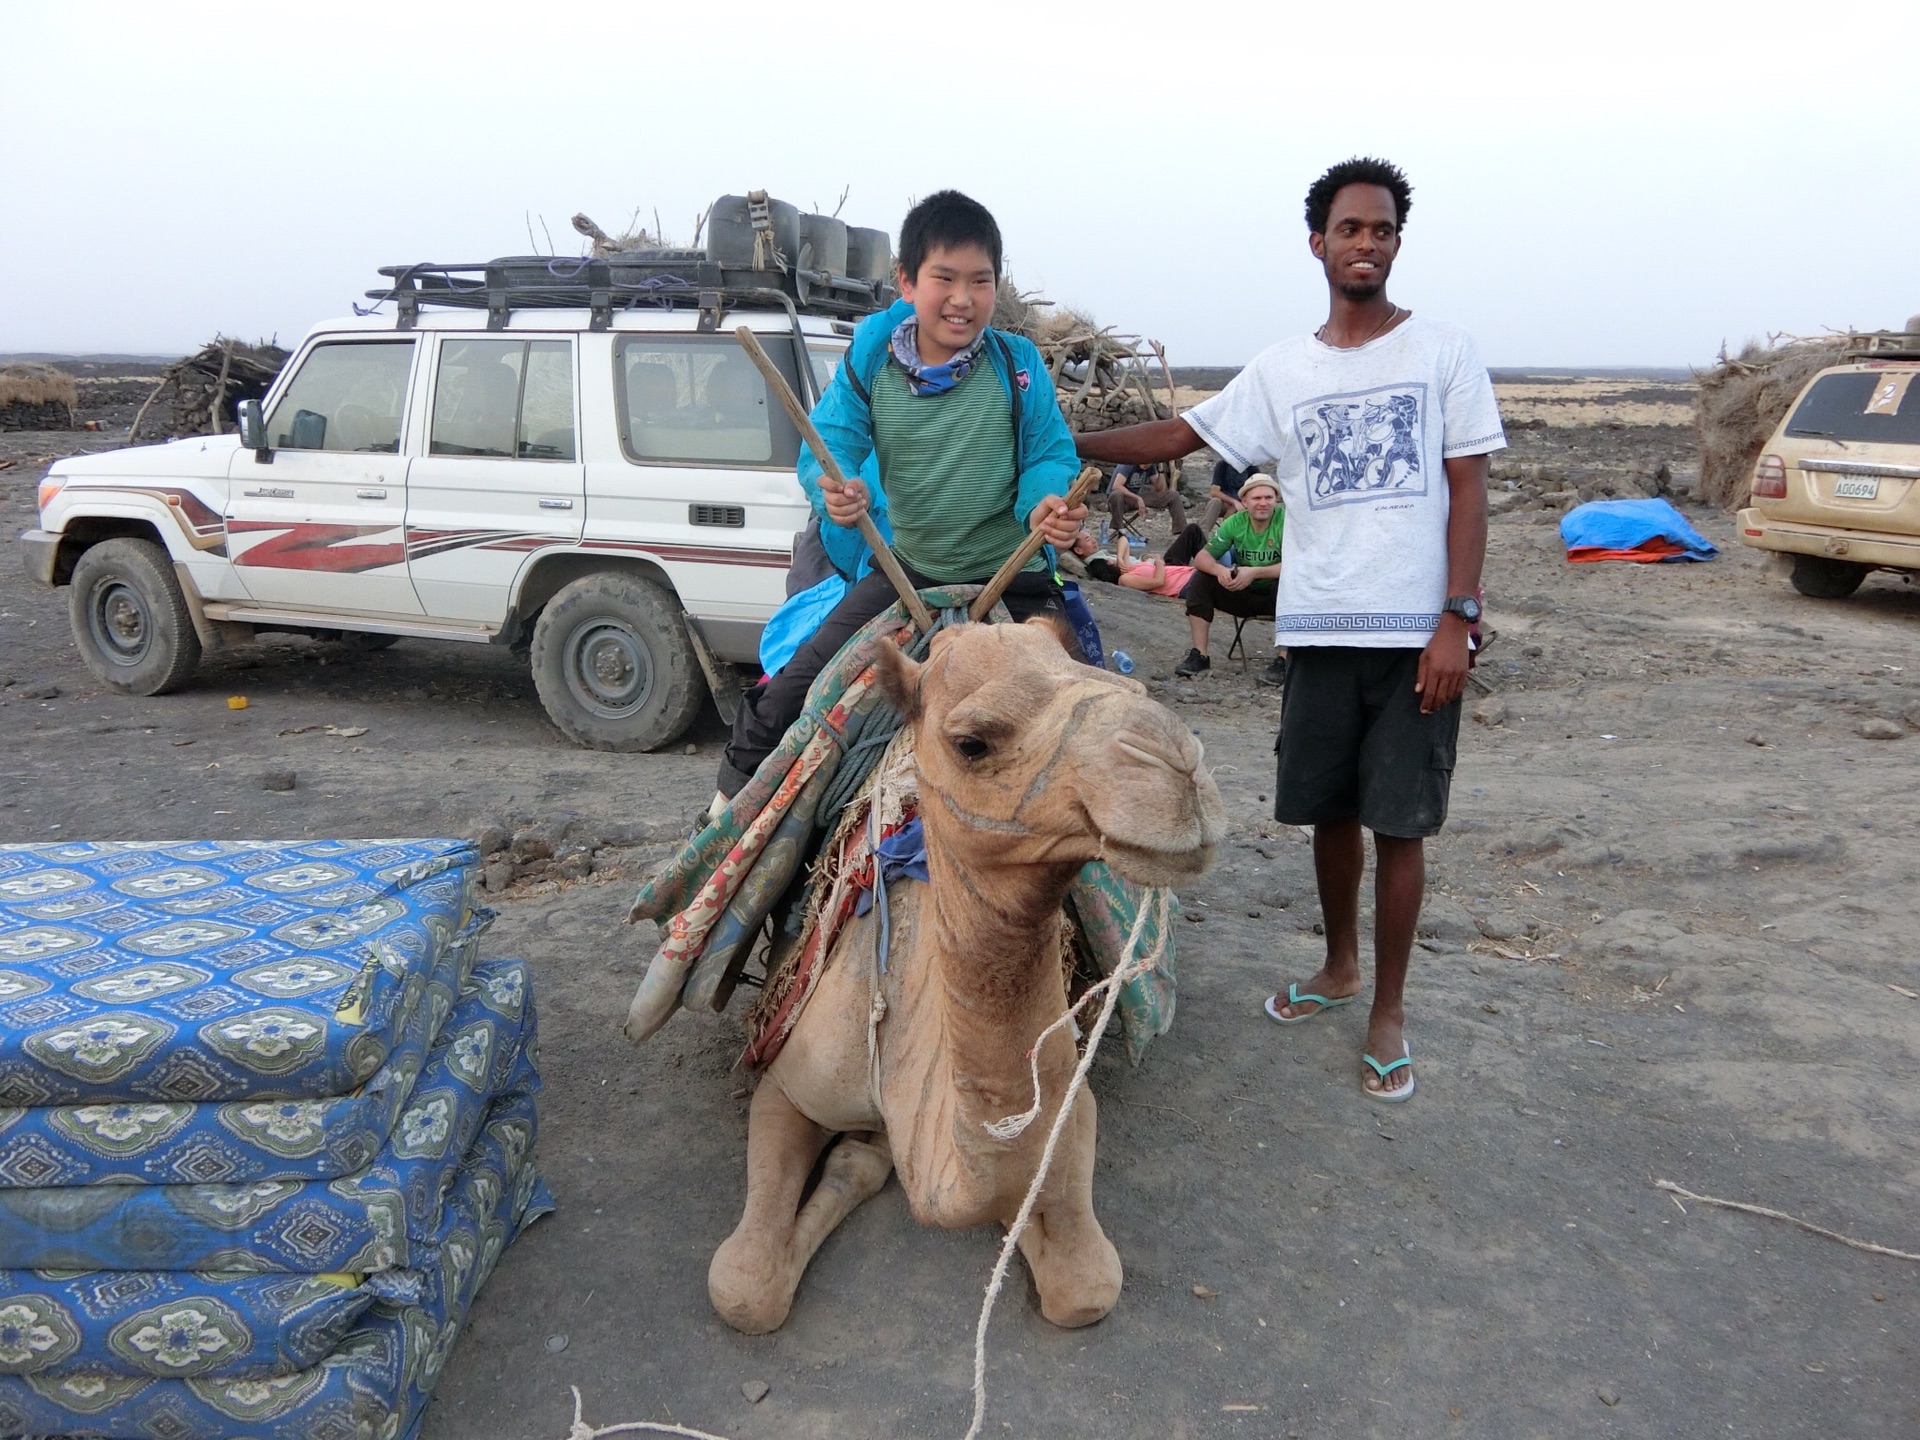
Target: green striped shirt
<point>947,465</point>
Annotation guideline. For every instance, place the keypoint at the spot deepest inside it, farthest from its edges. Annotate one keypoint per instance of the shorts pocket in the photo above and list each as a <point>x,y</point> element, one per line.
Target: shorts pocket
<point>1442,756</point>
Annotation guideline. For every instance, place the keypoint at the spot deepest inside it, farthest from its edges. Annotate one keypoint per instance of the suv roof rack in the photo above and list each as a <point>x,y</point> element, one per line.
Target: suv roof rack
<point>644,279</point>
<point>1881,345</point>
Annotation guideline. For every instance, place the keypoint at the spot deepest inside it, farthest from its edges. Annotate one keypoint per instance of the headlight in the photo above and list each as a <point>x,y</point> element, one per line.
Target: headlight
<point>49,488</point>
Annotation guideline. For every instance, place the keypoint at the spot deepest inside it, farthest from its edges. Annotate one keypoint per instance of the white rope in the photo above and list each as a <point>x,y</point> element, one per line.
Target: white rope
<point>580,1430</point>
<point>1128,968</point>
<point>1807,1225</point>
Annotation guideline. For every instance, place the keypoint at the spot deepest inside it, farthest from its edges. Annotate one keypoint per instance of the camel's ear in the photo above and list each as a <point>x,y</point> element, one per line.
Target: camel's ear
<point>1054,626</point>
<point>899,679</point>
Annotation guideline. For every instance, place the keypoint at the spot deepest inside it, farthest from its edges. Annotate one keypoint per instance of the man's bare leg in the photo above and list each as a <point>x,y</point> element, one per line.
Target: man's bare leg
<point>1338,861</point>
<point>1201,630</point>
<point>1399,882</point>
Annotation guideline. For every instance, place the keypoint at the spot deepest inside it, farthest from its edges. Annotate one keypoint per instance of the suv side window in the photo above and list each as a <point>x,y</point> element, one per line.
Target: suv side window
<point>346,396</point>
<point>697,399</point>
<point>510,399</point>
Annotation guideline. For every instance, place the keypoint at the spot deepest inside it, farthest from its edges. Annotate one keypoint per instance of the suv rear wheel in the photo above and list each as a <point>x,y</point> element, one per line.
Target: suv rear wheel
<point>1825,579</point>
<point>613,664</point>
<point>130,619</point>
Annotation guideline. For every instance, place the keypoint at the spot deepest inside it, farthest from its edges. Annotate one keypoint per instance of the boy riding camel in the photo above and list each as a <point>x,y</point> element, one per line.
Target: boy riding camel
<point>959,447</point>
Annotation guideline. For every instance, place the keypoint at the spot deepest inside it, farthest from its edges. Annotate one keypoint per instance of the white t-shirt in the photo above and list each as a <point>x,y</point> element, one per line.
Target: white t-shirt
<point>1356,439</point>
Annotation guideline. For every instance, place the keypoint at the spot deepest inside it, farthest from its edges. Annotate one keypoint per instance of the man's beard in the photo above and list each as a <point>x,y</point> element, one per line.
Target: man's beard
<point>1360,291</point>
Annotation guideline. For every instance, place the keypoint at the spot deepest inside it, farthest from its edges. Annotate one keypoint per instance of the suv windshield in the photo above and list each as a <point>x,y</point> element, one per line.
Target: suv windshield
<point>1876,406</point>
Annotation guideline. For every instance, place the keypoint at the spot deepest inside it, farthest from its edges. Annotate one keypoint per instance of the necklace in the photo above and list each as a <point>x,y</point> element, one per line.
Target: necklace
<point>1392,315</point>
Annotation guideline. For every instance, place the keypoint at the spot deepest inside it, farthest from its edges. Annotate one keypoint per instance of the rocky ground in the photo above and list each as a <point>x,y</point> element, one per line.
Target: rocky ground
<point>1669,936</point>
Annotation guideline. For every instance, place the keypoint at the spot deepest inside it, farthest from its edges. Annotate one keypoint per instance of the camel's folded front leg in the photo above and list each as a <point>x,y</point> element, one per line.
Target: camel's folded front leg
<point>756,1271</point>
<point>1075,1267</point>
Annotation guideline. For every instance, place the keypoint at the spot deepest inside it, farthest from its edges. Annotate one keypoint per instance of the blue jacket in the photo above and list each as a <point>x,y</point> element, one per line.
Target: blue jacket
<point>1043,448</point>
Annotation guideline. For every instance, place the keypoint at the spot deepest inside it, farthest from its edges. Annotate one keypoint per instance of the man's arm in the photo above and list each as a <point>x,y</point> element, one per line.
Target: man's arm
<point>1147,444</point>
<point>1443,664</point>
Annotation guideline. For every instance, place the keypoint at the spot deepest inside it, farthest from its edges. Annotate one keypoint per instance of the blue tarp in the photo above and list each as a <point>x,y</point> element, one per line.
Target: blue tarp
<point>1631,525</point>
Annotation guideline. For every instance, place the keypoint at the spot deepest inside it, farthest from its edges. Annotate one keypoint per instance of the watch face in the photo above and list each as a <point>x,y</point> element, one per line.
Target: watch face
<point>1466,607</point>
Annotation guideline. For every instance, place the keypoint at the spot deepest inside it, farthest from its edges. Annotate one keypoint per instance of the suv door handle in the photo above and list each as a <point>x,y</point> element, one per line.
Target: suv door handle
<point>371,494</point>
<point>550,504</point>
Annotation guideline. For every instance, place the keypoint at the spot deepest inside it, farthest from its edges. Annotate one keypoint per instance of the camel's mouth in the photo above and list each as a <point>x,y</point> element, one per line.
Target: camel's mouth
<point>1147,866</point>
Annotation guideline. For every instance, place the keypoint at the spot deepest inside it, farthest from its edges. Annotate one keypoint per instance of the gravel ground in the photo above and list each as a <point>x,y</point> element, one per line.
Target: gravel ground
<point>1669,935</point>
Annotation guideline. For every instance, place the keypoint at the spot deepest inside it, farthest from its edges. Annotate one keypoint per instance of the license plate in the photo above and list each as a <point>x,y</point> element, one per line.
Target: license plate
<point>1856,489</point>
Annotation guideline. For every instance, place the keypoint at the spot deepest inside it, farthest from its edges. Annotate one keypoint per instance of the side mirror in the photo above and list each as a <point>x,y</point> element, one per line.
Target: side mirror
<point>253,429</point>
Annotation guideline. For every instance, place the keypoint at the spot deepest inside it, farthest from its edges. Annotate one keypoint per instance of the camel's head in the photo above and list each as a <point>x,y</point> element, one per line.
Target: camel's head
<point>1027,757</point>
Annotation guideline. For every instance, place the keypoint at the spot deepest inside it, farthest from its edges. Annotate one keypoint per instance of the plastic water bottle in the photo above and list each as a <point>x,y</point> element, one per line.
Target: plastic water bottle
<point>1103,534</point>
<point>1123,662</point>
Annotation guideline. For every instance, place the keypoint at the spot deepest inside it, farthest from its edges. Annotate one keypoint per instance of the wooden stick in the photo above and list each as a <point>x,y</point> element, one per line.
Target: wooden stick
<point>1029,547</point>
<point>883,555</point>
<point>1166,373</point>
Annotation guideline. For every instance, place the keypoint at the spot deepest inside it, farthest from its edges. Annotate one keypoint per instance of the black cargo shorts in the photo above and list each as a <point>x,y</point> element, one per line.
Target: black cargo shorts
<point>1354,743</point>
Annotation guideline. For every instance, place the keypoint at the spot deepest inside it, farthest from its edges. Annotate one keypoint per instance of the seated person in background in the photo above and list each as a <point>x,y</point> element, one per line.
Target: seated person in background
<point>1249,587</point>
<point>1223,495</point>
<point>1157,490</point>
<point>1154,575</point>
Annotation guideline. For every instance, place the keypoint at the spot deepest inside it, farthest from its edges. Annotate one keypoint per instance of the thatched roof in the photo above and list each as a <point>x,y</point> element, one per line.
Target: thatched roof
<point>1742,401</point>
<point>24,384</point>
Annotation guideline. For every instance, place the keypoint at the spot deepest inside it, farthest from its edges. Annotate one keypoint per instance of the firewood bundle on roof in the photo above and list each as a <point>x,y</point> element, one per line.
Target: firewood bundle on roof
<point>1104,379</point>
<point>201,391</point>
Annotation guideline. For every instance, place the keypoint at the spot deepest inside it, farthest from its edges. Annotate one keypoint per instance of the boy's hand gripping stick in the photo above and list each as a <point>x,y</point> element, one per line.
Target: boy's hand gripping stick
<point>1029,547</point>
<point>882,552</point>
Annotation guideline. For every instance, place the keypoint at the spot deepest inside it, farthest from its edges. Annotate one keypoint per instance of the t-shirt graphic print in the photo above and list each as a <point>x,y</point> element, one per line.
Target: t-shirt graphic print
<point>1358,441</point>
<point>1362,447</point>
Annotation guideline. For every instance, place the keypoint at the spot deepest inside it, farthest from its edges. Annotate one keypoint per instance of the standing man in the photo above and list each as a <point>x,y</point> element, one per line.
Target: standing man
<point>1378,427</point>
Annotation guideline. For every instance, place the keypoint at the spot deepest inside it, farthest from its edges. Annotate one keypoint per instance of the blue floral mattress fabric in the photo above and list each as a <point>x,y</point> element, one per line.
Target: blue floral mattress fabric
<point>309,1258</point>
<point>207,971</point>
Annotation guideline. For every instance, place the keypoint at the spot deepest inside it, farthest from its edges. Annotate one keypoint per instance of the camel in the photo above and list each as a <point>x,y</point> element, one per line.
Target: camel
<point>1029,765</point>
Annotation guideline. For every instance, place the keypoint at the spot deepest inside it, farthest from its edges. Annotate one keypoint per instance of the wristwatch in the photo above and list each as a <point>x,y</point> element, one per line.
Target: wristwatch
<point>1465,606</point>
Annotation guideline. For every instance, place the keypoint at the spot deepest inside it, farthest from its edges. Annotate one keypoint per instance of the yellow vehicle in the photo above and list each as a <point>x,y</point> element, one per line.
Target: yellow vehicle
<point>1838,485</point>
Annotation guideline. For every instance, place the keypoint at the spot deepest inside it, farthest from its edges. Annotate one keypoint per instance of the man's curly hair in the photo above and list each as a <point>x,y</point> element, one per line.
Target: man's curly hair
<point>1361,170</point>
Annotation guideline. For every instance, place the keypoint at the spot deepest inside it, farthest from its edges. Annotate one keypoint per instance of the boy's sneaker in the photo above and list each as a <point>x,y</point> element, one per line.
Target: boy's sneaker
<point>1276,673</point>
<point>1194,664</point>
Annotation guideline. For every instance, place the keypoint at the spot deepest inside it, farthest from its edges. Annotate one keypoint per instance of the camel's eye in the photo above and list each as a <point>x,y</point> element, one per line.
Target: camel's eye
<point>971,747</point>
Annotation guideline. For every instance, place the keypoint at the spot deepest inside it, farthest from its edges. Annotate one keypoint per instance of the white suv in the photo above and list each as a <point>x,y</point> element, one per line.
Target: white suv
<point>611,488</point>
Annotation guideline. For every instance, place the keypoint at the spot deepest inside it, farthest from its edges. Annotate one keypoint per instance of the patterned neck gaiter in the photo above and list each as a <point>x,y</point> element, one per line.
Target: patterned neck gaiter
<point>931,379</point>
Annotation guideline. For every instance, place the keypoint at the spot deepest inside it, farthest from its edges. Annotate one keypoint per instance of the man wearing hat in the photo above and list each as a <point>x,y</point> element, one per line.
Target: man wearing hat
<point>1238,571</point>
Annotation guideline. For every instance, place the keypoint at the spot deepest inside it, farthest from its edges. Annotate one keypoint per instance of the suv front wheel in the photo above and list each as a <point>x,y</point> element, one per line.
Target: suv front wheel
<point>130,618</point>
<point>613,664</point>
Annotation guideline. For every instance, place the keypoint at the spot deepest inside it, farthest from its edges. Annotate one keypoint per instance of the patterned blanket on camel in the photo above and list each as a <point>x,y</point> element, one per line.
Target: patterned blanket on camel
<point>748,865</point>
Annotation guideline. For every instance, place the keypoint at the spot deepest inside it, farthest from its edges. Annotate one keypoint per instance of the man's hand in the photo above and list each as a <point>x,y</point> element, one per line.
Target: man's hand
<point>1443,665</point>
<point>845,503</point>
<point>1052,518</point>
<point>1236,579</point>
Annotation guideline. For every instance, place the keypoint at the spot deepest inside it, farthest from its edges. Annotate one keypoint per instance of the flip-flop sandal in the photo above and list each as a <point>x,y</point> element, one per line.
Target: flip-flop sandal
<point>1294,997</point>
<point>1390,1097</point>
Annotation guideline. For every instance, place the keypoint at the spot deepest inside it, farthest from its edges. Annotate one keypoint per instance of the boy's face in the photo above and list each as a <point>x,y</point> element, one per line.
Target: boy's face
<point>952,298</point>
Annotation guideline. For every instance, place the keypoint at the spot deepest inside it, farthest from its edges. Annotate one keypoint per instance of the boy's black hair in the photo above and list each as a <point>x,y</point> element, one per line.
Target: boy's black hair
<point>1361,170</point>
<point>941,221</point>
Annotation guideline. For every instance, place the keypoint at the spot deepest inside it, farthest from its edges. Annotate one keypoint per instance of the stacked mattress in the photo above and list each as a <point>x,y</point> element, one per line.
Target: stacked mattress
<point>266,1124</point>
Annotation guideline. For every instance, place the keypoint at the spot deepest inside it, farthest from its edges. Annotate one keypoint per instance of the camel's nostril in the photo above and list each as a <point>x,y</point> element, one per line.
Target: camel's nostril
<point>1179,754</point>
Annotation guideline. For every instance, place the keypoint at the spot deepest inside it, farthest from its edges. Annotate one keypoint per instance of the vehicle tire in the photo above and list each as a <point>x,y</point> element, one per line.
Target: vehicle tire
<point>1825,579</point>
<point>130,620</point>
<point>614,665</point>
<point>365,642</point>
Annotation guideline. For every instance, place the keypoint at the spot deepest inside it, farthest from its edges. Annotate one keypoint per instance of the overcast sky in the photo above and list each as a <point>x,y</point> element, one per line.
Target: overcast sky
<point>1599,184</point>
